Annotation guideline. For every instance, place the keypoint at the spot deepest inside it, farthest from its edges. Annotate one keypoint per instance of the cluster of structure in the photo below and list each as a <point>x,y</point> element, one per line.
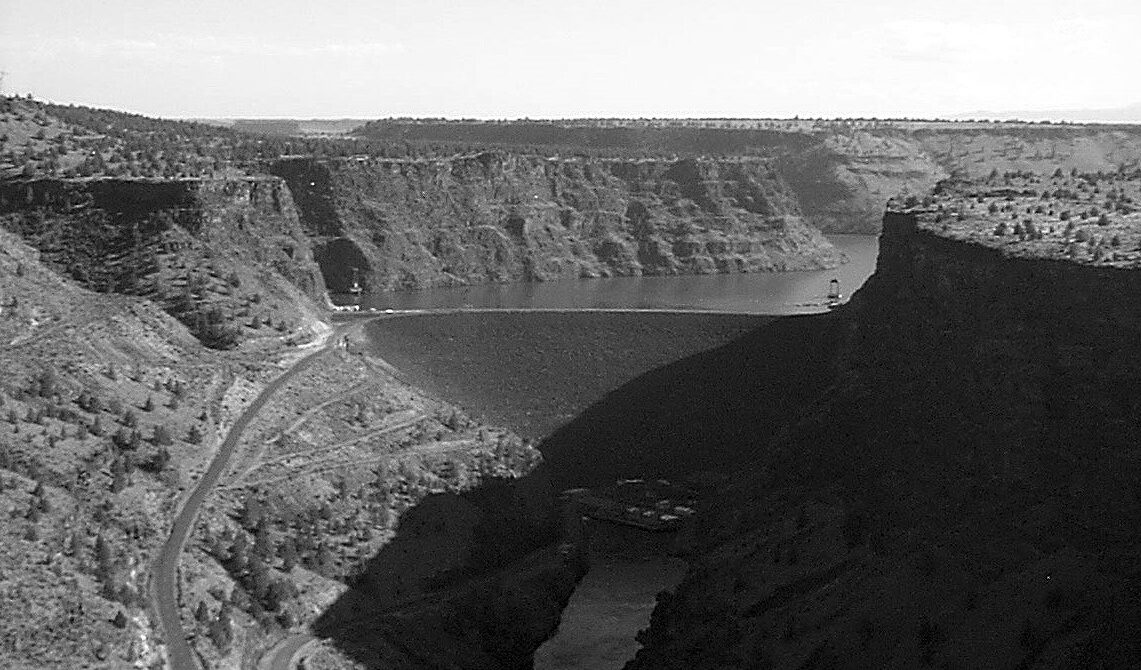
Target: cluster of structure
<point>656,505</point>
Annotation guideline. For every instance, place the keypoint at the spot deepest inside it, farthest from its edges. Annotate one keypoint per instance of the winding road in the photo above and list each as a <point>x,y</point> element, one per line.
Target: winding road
<point>164,571</point>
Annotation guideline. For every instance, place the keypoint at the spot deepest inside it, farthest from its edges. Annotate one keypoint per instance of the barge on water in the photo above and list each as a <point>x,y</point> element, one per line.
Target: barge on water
<point>655,506</point>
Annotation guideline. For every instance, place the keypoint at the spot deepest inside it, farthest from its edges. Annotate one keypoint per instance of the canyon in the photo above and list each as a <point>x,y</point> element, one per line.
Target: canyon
<point>940,471</point>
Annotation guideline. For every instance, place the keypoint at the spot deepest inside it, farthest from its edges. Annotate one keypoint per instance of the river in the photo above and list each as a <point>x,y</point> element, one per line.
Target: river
<point>773,293</point>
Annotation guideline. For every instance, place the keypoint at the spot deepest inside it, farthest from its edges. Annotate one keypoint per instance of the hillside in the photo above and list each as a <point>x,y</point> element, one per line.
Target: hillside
<point>138,318</point>
<point>109,404</point>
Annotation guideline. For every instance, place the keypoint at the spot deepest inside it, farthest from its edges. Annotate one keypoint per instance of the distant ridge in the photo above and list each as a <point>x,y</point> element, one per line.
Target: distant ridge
<point>287,127</point>
<point>1127,114</point>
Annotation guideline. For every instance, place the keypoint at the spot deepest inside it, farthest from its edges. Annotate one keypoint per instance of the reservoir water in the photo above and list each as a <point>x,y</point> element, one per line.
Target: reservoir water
<point>534,371</point>
<point>775,293</point>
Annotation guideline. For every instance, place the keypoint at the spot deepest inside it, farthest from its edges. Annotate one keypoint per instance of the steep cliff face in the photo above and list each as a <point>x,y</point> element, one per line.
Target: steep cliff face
<point>840,172</point>
<point>843,181</point>
<point>203,249</point>
<point>496,217</point>
<point>962,494</point>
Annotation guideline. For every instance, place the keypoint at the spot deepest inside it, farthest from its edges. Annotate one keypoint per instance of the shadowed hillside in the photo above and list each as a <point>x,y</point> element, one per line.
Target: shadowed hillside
<point>962,493</point>
<point>703,412</point>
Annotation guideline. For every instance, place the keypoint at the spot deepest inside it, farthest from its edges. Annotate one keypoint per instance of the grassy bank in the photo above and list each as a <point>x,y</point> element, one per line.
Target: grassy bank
<point>535,372</point>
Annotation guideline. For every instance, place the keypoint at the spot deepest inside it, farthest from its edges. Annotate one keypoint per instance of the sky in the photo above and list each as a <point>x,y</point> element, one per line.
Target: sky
<point>573,58</point>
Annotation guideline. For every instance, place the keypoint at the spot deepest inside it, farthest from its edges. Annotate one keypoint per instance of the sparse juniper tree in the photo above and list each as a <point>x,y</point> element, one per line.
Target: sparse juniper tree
<point>162,435</point>
<point>259,578</point>
<point>160,460</point>
<point>104,558</point>
<point>263,547</point>
<point>288,554</point>
<point>118,476</point>
<point>240,553</point>
<point>221,629</point>
<point>252,513</point>
<point>73,545</point>
<point>202,614</point>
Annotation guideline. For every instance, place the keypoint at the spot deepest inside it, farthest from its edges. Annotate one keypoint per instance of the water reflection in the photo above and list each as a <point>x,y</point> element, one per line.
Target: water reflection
<point>757,293</point>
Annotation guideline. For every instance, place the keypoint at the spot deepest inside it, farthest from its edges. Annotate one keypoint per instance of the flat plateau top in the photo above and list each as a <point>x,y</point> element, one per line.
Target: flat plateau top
<point>1088,219</point>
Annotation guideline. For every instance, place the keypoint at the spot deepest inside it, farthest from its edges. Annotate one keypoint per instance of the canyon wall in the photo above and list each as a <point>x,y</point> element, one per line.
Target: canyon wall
<point>494,217</point>
<point>961,493</point>
<point>840,172</point>
<point>843,181</point>
<point>208,251</point>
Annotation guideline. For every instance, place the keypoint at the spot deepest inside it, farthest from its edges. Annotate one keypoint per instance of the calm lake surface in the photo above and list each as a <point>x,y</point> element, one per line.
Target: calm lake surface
<point>451,354</point>
<point>776,293</point>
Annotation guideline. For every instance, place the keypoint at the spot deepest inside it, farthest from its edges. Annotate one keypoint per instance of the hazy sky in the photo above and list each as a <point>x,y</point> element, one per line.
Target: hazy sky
<point>494,58</point>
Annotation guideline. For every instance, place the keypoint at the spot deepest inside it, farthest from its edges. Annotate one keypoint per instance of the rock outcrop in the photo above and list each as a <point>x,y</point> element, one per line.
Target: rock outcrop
<point>495,217</point>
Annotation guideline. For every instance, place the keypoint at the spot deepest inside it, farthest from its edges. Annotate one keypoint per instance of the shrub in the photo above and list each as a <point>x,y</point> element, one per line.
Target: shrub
<point>162,436</point>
